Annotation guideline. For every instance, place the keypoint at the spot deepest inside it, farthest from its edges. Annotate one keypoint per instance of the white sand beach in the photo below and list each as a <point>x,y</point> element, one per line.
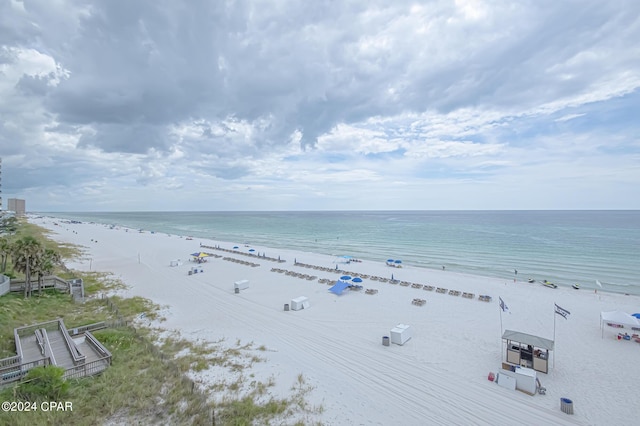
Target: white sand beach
<point>438,377</point>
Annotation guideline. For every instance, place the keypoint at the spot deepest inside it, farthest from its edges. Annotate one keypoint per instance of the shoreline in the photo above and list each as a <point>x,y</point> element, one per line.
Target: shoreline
<point>538,255</point>
<point>336,344</point>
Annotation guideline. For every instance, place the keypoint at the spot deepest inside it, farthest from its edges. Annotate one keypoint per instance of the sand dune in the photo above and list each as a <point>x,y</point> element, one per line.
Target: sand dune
<point>437,377</point>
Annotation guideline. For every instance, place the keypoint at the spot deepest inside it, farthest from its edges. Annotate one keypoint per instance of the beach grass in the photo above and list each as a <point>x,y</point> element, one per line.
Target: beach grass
<point>147,382</point>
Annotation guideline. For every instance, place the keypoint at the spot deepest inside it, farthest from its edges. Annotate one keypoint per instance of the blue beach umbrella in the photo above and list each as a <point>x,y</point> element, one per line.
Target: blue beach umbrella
<point>345,277</point>
<point>397,261</point>
<point>252,249</point>
<point>637,315</point>
<point>390,260</point>
<point>357,280</point>
<point>235,247</point>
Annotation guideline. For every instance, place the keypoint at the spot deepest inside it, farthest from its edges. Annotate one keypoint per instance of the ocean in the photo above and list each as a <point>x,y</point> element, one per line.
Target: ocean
<point>564,247</point>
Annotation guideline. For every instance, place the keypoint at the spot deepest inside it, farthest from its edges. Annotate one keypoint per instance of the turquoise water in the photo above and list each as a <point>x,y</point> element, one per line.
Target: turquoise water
<point>564,247</point>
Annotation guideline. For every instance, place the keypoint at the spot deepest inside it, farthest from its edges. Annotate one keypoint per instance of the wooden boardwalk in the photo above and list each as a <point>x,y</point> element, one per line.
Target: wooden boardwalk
<point>50,344</point>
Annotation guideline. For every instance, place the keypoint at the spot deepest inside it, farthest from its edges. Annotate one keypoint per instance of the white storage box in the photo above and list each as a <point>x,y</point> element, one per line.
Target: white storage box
<point>299,303</point>
<point>400,334</point>
<point>525,379</point>
<point>241,285</point>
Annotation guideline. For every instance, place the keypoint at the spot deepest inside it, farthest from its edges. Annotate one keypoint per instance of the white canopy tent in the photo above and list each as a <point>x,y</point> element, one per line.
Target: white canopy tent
<point>619,319</point>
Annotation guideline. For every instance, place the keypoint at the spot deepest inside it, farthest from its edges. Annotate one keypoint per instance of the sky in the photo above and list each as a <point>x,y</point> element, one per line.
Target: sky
<point>163,105</point>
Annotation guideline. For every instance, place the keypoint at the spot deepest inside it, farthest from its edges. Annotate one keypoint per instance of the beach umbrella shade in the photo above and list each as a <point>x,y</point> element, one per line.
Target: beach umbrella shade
<point>200,254</point>
<point>357,280</point>
<point>252,249</point>
<point>235,247</point>
<point>339,287</point>
<point>637,315</point>
<point>390,260</point>
<point>397,261</point>
<point>345,277</point>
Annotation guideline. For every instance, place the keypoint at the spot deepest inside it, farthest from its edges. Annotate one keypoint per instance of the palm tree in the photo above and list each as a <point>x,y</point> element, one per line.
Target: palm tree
<point>44,265</point>
<point>25,254</point>
<point>5,250</point>
<point>8,225</point>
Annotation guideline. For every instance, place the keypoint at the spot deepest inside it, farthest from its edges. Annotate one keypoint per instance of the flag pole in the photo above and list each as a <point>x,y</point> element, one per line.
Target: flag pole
<point>501,352</point>
<point>554,337</point>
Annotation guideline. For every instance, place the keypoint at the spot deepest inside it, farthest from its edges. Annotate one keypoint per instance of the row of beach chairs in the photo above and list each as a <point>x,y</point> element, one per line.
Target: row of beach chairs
<point>234,251</point>
<point>294,274</point>
<point>417,286</point>
<point>242,262</point>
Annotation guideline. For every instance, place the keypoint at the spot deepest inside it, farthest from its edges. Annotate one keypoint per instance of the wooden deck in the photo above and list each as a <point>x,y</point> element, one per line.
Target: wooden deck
<point>47,344</point>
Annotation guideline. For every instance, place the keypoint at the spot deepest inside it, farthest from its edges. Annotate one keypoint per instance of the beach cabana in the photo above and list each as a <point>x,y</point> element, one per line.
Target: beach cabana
<point>527,350</point>
<point>618,319</point>
<point>241,284</point>
<point>299,303</point>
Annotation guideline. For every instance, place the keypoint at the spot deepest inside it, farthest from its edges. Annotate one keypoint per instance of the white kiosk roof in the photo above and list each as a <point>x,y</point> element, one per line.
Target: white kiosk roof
<point>528,339</point>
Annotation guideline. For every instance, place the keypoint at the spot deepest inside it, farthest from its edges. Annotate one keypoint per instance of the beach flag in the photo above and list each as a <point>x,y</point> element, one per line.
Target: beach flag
<point>503,306</point>
<point>562,311</point>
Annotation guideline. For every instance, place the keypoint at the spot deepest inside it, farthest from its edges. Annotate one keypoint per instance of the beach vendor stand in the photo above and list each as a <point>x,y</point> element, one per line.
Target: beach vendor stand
<point>527,350</point>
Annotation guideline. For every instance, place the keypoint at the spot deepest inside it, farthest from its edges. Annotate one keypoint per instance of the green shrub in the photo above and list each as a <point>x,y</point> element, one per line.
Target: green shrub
<point>44,384</point>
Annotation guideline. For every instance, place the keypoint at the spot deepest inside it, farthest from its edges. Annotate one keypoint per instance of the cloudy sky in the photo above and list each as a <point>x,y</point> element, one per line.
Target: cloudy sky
<point>121,105</point>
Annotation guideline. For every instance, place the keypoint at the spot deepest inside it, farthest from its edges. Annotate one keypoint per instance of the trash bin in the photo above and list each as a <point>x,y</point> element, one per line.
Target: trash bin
<point>237,290</point>
<point>566,405</point>
<point>286,306</point>
<point>385,340</point>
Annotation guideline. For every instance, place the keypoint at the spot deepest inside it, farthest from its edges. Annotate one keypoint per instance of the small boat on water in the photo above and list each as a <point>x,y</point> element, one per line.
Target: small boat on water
<point>549,284</point>
<point>576,286</point>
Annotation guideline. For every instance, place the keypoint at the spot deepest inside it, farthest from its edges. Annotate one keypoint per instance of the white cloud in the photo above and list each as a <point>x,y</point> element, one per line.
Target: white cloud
<point>309,105</point>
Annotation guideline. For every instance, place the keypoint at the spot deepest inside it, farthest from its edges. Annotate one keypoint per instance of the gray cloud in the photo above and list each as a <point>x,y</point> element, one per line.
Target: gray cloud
<point>226,84</point>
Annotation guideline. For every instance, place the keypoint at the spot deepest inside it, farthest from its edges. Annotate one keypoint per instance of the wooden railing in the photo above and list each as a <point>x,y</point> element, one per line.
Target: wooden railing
<point>88,369</point>
<point>95,343</point>
<point>10,362</point>
<point>50,281</point>
<point>76,355</point>
<point>48,351</point>
<point>16,337</point>
<point>96,326</point>
<point>5,284</point>
<point>40,340</point>
<point>9,375</point>
<point>27,330</point>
